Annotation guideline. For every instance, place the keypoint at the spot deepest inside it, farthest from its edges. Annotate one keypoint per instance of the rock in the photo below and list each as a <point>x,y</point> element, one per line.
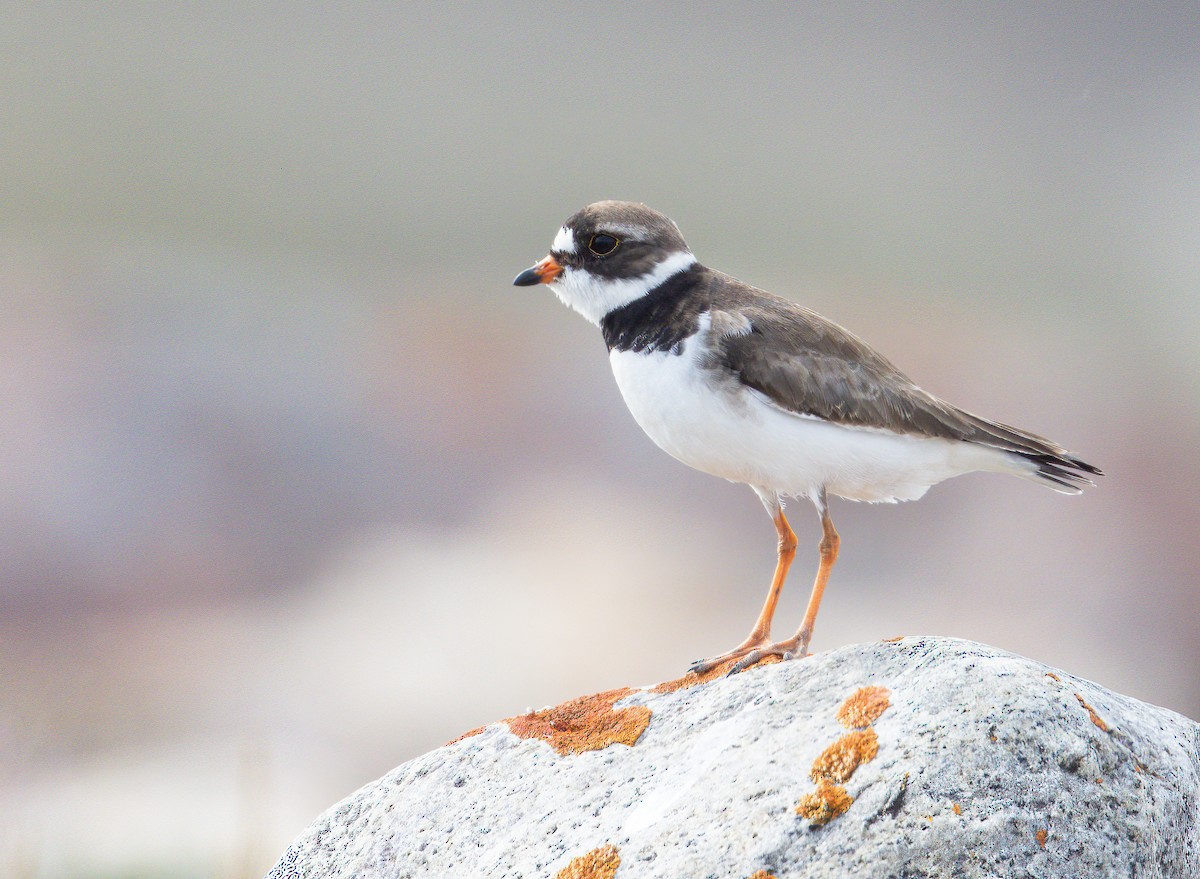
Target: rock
<point>922,757</point>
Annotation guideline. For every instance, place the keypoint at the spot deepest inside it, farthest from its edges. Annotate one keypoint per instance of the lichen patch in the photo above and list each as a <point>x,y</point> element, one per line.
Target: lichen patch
<point>1096,718</point>
<point>825,803</point>
<point>1041,836</point>
<point>599,863</point>
<point>761,874</point>
<point>467,735</point>
<point>588,723</point>
<point>838,762</point>
<point>864,706</point>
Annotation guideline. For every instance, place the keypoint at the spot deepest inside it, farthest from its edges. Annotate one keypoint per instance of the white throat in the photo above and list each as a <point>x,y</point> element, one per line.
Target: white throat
<point>594,297</point>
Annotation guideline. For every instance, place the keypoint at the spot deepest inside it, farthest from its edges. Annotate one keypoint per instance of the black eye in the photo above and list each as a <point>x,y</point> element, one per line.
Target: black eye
<point>602,244</point>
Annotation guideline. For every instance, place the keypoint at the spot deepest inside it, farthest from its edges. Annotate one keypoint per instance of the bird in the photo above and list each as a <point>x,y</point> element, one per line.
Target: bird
<point>757,389</point>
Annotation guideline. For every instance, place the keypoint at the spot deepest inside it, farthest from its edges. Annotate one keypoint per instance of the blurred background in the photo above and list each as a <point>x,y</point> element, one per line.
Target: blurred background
<point>294,486</point>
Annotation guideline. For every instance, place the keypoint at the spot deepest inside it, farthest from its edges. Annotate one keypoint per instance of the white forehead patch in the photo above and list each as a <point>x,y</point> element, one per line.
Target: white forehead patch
<point>564,241</point>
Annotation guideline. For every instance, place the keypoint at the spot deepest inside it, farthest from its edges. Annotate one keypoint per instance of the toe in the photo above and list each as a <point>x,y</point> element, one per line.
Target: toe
<point>745,662</point>
<point>785,650</point>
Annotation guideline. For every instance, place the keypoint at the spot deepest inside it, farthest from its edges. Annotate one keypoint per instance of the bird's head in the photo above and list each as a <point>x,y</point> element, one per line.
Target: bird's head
<point>609,254</point>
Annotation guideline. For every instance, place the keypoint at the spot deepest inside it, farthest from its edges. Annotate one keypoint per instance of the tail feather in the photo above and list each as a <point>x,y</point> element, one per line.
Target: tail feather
<point>1037,458</point>
<point>1062,472</point>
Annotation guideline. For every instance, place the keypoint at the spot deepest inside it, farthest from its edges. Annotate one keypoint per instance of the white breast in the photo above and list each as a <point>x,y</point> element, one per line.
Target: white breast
<point>710,421</point>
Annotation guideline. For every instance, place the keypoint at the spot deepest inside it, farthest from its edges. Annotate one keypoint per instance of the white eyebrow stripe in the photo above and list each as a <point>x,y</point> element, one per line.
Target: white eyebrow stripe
<point>624,230</point>
<point>564,241</point>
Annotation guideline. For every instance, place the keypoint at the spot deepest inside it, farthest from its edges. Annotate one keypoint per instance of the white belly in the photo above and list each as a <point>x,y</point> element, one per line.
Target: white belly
<point>713,423</point>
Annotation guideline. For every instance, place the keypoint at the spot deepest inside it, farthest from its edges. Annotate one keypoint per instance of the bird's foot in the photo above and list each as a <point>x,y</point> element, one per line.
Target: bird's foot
<point>751,644</point>
<point>785,650</point>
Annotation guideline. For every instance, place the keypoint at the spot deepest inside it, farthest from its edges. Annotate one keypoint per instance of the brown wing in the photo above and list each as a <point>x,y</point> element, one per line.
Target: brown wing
<point>811,366</point>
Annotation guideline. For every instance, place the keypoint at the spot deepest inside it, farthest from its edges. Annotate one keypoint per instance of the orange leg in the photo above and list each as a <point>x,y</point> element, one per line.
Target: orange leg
<point>829,545</point>
<point>797,645</point>
<point>760,635</point>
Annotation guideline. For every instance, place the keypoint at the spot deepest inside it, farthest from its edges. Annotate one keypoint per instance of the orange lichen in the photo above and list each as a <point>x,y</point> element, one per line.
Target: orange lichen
<point>1096,718</point>
<point>599,863</point>
<point>588,723</point>
<point>839,760</point>
<point>762,874</point>
<point>957,808</point>
<point>691,679</point>
<point>467,735</point>
<point>863,707</point>
<point>825,803</point>
<point>1041,838</point>
<point>1051,674</point>
<point>893,640</point>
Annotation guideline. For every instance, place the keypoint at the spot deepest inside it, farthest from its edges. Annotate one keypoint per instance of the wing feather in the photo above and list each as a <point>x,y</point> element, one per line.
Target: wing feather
<point>808,365</point>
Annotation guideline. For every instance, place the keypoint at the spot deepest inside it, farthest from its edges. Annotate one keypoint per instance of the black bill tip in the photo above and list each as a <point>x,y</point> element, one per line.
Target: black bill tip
<point>527,278</point>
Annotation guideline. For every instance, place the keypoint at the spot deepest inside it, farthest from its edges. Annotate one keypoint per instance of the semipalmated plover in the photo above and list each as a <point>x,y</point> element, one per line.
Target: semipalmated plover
<point>754,388</point>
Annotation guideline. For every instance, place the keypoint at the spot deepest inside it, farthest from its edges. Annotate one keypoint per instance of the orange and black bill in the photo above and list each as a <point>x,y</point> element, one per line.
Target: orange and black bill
<point>542,273</point>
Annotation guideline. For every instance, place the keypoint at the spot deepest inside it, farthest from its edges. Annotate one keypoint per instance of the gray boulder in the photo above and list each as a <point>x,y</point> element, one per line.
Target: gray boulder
<point>921,757</point>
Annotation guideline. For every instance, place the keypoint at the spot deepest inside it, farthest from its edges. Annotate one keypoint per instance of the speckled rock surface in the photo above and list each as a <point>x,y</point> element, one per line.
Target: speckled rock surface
<point>921,757</point>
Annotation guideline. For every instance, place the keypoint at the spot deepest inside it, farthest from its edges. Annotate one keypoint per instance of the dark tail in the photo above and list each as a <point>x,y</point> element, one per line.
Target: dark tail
<point>1038,458</point>
<point>1062,472</point>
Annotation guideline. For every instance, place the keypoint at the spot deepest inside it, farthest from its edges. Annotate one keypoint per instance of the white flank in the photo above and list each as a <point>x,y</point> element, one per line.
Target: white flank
<point>564,241</point>
<point>594,297</point>
<point>710,421</point>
